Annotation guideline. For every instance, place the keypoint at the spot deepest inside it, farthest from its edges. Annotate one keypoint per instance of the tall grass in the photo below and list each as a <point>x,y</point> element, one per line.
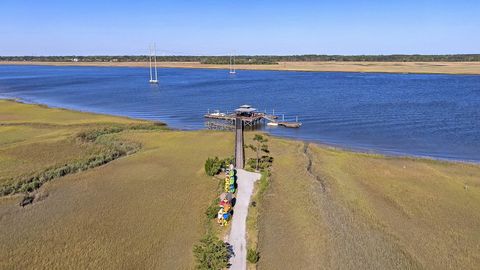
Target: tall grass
<point>111,150</point>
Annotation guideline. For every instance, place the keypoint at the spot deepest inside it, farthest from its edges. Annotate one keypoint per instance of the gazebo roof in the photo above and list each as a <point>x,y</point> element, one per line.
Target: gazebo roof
<point>245,110</point>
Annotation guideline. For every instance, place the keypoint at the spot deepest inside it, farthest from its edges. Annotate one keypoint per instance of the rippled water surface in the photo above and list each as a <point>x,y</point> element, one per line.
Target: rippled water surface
<point>407,114</point>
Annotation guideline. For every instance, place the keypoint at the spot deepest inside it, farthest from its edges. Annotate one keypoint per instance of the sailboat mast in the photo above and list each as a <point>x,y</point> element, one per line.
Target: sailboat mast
<point>150,60</point>
<point>155,59</point>
<point>232,64</point>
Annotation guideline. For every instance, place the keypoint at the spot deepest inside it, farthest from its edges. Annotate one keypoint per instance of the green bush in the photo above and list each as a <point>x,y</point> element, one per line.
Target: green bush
<point>227,161</point>
<point>212,210</point>
<point>213,166</point>
<point>211,253</point>
<point>253,256</point>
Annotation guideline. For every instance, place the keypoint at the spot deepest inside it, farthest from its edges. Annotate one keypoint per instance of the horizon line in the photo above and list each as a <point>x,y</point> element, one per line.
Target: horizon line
<point>252,55</point>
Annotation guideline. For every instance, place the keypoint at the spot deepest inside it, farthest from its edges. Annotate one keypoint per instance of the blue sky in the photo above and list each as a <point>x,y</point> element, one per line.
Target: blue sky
<point>207,27</point>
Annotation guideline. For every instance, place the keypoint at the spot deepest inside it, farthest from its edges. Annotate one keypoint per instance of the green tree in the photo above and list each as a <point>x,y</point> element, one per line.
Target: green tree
<point>211,253</point>
<point>258,147</point>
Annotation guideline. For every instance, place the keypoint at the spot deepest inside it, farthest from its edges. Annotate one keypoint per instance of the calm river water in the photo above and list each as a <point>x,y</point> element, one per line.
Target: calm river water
<point>407,114</point>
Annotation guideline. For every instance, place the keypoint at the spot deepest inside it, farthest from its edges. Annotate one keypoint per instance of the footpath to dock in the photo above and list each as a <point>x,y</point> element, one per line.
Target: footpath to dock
<point>238,233</point>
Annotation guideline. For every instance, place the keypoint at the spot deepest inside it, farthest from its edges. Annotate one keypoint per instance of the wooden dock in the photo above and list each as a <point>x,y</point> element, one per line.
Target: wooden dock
<point>249,116</point>
<point>249,121</point>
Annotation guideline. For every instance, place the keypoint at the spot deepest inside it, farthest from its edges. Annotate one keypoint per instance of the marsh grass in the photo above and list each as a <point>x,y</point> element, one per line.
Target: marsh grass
<point>38,144</point>
<point>321,208</point>
<point>327,208</point>
<point>111,148</point>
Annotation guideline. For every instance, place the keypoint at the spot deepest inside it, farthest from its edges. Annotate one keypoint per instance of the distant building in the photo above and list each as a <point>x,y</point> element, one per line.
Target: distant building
<point>75,59</point>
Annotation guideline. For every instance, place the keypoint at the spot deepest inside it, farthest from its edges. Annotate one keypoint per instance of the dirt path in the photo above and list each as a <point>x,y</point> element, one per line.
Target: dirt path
<point>237,237</point>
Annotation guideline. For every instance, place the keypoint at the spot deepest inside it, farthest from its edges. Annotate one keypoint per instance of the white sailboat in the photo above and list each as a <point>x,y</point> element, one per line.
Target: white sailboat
<point>232,64</point>
<point>153,53</point>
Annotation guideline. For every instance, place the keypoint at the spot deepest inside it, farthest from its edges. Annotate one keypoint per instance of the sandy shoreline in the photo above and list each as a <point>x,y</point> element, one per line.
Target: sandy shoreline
<point>467,68</point>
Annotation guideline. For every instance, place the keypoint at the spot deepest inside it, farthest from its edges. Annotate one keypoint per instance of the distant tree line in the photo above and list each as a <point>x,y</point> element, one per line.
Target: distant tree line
<point>240,60</point>
<point>385,58</point>
<point>254,59</point>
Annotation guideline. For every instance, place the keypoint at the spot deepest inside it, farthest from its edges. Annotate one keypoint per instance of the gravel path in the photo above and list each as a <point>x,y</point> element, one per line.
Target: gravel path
<point>237,237</point>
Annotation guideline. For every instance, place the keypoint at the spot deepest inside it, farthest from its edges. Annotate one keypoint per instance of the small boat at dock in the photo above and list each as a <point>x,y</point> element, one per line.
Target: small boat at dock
<point>290,124</point>
<point>295,124</point>
<point>217,113</point>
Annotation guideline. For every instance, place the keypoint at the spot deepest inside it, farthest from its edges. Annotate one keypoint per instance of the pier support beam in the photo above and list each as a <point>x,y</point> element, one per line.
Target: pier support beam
<point>239,150</point>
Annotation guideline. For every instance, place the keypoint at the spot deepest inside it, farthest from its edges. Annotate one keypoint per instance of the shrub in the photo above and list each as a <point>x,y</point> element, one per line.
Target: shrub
<point>213,166</point>
<point>264,163</point>
<point>252,255</point>
<point>227,161</point>
<point>212,210</point>
<point>211,253</point>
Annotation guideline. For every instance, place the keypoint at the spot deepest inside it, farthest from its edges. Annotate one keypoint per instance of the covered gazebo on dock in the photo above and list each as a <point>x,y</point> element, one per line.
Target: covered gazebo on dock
<point>249,115</point>
<point>245,111</point>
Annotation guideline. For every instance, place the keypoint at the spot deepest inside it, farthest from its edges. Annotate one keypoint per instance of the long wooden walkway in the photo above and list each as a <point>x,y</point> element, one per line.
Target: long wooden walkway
<point>239,150</point>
